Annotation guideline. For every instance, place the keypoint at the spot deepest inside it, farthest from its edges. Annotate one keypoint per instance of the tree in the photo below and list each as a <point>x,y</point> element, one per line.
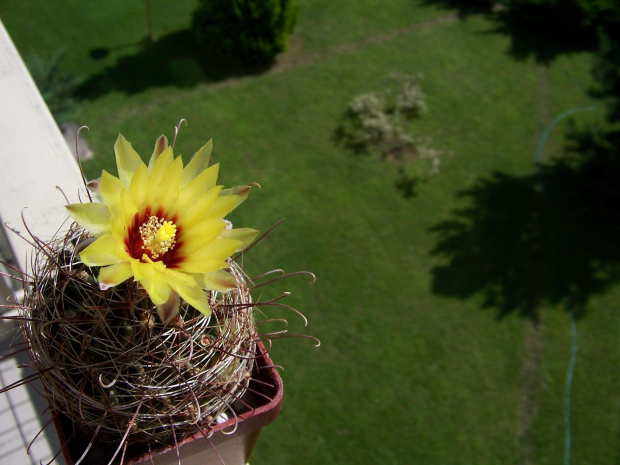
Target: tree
<point>251,30</point>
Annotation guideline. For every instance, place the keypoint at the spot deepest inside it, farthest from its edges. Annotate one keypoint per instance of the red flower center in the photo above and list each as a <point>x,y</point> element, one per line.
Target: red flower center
<point>155,236</point>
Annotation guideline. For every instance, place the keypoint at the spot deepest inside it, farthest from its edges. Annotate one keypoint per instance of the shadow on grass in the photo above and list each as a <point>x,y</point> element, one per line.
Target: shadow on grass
<point>347,136</point>
<point>528,241</point>
<point>542,31</point>
<point>544,36</point>
<point>464,8</point>
<point>172,60</point>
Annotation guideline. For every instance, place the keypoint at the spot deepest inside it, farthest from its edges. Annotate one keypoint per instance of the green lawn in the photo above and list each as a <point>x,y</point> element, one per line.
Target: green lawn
<point>423,305</point>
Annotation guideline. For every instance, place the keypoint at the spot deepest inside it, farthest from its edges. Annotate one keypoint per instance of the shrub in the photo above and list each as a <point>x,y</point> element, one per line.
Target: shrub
<point>374,123</point>
<point>250,30</point>
<point>410,99</point>
<point>585,16</point>
<point>606,71</point>
<point>55,86</point>
<point>606,66</point>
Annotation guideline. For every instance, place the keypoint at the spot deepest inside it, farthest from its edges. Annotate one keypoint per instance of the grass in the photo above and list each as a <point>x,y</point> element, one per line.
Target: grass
<point>423,305</point>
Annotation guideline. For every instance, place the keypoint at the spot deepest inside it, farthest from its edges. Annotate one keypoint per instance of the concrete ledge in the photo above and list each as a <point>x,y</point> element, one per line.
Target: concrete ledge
<point>34,157</point>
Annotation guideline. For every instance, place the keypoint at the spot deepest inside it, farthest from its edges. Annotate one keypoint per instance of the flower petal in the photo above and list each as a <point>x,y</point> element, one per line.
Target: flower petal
<point>127,159</point>
<point>138,187</point>
<point>211,257</point>
<point>158,167</point>
<point>201,266</point>
<point>94,217</point>
<point>169,309</point>
<point>102,252</point>
<point>114,274</point>
<point>219,249</point>
<point>198,235</point>
<point>228,200</point>
<point>157,287</point>
<point>219,280</point>
<point>240,191</point>
<point>121,251</point>
<point>201,183</point>
<point>128,207</point>
<point>142,271</point>
<point>110,188</point>
<point>93,188</point>
<point>245,235</point>
<point>160,145</point>
<point>192,209</point>
<point>189,290</point>
<point>167,191</point>
<point>119,228</point>
<point>198,163</point>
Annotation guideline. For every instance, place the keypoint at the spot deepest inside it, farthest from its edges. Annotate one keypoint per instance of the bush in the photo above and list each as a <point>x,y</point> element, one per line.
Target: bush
<point>585,16</point>
<point>606,71</point>
<point>606,67</point>
<point>55,86</point>
<point>250,30</point>
<point>375,123</point>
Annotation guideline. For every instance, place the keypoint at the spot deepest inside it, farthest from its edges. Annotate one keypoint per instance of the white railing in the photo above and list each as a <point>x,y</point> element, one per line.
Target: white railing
<point>35,163</point>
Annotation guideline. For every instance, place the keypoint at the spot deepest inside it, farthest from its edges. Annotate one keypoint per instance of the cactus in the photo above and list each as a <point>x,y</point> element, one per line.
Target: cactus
<point>110,366</point>
<point>139,320</point>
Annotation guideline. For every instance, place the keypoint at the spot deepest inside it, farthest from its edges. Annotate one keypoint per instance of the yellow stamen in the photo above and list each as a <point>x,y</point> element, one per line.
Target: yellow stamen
<point>158,236</point>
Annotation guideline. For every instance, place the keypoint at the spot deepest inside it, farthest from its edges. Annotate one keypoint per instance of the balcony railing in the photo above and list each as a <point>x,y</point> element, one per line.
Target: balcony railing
<point>35,163</point>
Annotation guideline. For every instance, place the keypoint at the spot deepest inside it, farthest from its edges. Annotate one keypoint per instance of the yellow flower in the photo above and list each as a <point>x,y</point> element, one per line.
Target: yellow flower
<point>163,224</point>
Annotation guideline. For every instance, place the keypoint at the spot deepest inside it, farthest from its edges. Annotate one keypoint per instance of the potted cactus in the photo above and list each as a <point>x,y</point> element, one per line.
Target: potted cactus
<point>140,319</point>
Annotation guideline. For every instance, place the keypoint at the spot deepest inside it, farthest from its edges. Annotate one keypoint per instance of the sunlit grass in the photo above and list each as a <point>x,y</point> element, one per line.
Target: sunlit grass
<point>405,374</point>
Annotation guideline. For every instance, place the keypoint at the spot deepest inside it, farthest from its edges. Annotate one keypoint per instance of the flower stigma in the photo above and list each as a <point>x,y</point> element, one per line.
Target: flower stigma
<point>158,236</point>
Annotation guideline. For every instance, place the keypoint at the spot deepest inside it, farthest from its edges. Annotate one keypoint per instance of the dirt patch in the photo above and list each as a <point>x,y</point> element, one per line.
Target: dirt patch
<point>531,383</point>
<point>295,58</point>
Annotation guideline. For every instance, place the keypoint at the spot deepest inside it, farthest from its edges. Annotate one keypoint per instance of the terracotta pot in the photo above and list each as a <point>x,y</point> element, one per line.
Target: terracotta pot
<point>233,449</point>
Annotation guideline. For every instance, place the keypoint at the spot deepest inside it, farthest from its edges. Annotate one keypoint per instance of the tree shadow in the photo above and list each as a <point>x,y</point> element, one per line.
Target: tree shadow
<point>172,60</point>
<point>464,8</point>
<point>539,30</point>
<point>544,33</point>
<point>540,239</point>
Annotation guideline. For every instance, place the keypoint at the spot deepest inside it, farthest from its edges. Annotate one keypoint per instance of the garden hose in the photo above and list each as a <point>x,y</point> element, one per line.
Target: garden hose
<point>573,326</point>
